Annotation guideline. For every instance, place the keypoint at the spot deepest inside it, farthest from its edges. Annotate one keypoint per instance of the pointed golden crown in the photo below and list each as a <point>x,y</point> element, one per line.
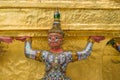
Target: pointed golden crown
<point>56,24</point>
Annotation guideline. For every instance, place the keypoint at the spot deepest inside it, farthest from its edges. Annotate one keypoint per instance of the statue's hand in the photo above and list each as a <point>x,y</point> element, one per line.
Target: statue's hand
<point>97,38</point>
<point>6,39</point>
<point>23,38</point>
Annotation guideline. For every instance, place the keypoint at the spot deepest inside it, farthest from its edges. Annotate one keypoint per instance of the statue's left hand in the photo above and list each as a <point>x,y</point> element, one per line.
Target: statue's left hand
<point>97,38</point>
<point>6,39</point>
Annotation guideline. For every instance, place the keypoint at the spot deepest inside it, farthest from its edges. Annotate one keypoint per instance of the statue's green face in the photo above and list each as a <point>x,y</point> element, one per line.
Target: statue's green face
<point>55,39</point>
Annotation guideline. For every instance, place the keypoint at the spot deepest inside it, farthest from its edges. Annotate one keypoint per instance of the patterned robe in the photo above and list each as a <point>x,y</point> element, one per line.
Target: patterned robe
<point>56,63</point>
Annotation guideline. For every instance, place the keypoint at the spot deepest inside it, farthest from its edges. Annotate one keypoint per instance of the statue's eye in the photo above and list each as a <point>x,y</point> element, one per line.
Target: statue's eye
<point>49,38</point>
<point>57,37</point>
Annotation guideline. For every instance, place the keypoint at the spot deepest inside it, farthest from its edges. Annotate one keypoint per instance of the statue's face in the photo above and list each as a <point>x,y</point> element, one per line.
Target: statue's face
<point>55,39</point>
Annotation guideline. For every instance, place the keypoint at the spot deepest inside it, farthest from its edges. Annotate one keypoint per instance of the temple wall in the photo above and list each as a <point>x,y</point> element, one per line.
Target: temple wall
<point>79,19</point>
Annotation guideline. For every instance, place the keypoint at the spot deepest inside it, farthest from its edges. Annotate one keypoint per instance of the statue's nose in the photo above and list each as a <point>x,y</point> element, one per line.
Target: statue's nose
<point>53,38</point>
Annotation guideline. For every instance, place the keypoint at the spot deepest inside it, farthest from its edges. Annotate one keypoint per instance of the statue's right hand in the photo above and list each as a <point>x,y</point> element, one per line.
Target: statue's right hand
<point>23,38</point>
<point>6,39</point>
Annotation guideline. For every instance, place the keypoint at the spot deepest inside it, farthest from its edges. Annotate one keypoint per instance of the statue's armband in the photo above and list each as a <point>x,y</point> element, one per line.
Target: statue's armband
<point>74,57</point>
<point>38,56</point>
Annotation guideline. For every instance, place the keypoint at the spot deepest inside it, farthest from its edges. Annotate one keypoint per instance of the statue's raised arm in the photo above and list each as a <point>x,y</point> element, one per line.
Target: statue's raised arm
<point>88,49</point>
<point>29,52</point>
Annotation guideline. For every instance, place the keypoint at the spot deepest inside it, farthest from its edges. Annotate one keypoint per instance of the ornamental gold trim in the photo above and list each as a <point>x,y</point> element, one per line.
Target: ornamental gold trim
<point>60,4</point>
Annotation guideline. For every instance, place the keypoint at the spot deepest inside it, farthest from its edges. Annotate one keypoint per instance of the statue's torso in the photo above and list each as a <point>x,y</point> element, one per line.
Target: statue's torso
<point>56,65</point>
